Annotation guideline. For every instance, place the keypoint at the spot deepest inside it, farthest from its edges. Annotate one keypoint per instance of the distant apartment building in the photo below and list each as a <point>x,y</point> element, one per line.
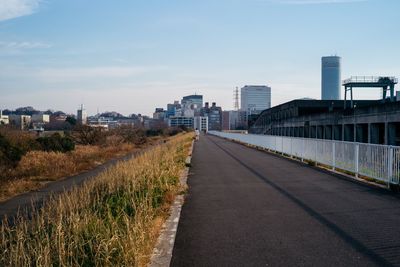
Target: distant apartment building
<point>54,118</point>
<point>104,122</point>
<point>82,116</point>
<point>177,121</point>
<point>237,120</point>
<point>173,109</point>
<point>40,118</point>
<point>214,114</point>
<point>234,120</point>
<point>255,98</point>
<point>159,114</point>
<point>4,118</point>
<point>225,121</point>
<point>23,122</point>
<point>201,123</point>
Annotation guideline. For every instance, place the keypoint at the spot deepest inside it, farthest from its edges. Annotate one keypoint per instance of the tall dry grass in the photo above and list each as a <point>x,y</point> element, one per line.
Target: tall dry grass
<point>39,167</point>
<point>112,220</point>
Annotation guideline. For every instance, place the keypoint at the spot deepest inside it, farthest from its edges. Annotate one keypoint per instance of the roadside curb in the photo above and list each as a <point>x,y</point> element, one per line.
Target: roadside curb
<point>162,252</point>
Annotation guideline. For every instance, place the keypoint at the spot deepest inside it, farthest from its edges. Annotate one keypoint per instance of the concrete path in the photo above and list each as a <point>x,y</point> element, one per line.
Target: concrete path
<point>249,208</point>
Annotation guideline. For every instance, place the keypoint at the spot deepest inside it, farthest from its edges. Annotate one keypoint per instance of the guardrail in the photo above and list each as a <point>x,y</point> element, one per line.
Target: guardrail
<point>368,79</point>
<point>378,162</point>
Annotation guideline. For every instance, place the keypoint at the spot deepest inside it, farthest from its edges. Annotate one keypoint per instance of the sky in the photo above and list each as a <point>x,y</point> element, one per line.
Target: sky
<point>131,56</point>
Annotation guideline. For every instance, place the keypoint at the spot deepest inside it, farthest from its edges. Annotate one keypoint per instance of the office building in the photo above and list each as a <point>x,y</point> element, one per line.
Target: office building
<point>255,98</point>
<point>178,121</point>
<point>330,78</point>
<point>193,101</point>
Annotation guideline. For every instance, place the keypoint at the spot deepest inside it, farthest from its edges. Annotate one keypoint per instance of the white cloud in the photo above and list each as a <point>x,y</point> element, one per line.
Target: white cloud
<point>24,45</point>
<point>10,9</point>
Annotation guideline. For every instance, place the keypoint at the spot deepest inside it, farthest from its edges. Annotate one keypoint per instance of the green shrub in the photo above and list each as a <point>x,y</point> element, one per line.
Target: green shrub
<point>56,143</point>
<point>10,154</point>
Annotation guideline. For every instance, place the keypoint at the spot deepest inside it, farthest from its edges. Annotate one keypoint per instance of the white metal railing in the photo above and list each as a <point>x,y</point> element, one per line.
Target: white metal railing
<point>368,79</point>
<point>379,162</point>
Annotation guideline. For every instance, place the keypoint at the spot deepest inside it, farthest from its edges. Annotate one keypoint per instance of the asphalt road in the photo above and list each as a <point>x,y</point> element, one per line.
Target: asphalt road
<point>249,208</point>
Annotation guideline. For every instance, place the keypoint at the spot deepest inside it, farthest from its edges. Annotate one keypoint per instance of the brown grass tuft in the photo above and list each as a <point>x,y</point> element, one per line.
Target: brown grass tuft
<point>112,220</point>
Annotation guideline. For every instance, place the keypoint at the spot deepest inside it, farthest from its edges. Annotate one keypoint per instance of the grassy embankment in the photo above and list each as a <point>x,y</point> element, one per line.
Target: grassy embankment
<point>37,167</point>
<point>114,219</point>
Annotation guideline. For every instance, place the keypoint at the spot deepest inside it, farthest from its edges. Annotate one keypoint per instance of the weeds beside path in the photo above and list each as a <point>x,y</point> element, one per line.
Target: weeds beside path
<point>37,168</point>
<point>113,219</point>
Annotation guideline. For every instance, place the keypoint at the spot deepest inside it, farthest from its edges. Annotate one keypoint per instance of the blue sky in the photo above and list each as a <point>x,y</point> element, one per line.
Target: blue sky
<point>132,56</point>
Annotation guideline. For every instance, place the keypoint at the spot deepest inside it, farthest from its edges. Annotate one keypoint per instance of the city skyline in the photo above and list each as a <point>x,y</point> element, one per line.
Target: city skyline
<point>57,55</point>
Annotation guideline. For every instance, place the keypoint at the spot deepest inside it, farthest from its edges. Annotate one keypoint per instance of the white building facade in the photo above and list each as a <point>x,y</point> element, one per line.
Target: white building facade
<point>255,98</point>
<point>201,123</point>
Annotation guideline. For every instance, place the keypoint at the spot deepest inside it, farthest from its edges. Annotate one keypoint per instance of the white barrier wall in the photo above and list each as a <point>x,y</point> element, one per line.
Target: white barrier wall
<point>375,161</point>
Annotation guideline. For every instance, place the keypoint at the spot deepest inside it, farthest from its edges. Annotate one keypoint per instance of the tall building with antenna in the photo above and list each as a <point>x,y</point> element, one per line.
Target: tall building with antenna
<point>82,116</point>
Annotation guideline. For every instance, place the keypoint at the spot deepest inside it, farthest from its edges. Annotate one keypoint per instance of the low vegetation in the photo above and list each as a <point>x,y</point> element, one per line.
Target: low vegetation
<point>112,220</point>
<point>28,162</point>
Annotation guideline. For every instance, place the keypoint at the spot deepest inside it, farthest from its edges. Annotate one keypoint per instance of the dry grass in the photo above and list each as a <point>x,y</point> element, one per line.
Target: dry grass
<point>112,220</point>
<point>37,168</point>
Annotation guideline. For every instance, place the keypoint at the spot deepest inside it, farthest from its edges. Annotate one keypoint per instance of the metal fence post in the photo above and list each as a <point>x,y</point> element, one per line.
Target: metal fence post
<point>315,154</point>
<point>333,156</point>
<point>356,160</point>
<point>390,165</point>
<point>291,147</point>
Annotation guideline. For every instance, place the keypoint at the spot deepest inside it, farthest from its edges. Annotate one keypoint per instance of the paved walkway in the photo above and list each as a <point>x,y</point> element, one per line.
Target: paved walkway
<point>249,208</point>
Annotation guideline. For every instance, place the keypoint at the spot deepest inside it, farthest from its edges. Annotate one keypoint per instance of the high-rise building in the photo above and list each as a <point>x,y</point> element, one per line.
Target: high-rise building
<point>330,78</point>
<point>82,116</point>
<point>192,103</point>
<point>193,99</point>
<point>255,98</point>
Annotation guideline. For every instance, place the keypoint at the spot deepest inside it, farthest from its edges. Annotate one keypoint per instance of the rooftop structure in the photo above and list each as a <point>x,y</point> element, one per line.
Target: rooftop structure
<point>371,121</point>
<point>386,83</point>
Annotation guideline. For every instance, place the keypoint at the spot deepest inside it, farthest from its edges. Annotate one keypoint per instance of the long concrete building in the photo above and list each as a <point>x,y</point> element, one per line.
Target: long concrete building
<point>370,121</point>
